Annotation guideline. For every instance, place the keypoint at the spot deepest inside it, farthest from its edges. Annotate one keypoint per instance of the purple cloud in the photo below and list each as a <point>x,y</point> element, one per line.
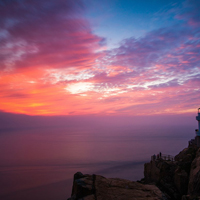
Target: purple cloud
<point>53,46</point>
<point>45,33</point>
<point>163,53</point>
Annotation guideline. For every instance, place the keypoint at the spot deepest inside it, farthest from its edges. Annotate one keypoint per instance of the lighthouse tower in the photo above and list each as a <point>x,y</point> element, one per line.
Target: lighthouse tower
<point>198,130</point>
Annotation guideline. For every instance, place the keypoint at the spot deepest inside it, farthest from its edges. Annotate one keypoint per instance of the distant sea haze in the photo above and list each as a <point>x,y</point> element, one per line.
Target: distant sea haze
<point>40,163</point>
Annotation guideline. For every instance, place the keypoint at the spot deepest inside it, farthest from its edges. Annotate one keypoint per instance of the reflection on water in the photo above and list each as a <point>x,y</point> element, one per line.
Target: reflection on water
<point>40,163</point>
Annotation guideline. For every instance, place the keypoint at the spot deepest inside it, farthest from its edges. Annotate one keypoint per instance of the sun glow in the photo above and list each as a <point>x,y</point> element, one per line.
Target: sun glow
<point>81,87</point>
<point>56,64</point>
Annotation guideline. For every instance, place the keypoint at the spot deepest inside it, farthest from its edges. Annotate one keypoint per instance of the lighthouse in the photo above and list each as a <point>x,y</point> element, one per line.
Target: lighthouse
<point>198,130</point>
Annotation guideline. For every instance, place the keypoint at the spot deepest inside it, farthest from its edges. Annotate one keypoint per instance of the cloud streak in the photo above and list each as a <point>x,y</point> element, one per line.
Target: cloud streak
<point>45,34</point>
<point>53,64</point>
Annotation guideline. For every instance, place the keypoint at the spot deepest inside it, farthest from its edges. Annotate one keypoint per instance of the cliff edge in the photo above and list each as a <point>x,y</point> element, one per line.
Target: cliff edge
<point>93,187</point>
<point>167,179</point>
<point>178,179</point>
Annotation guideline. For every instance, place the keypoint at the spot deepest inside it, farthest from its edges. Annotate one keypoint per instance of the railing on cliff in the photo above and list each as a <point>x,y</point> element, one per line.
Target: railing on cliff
<point>162,156</point>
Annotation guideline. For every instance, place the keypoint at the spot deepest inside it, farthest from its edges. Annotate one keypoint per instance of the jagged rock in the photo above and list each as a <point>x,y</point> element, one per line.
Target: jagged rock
<point>194,181</point>
<point>186,155</point>
<point>161,172</point>
<point>181,180</point>
<point>151,172</point>
<point>82,186</point>
<point>178,180</point>
<point>92,187</point>
<point>156,170</point>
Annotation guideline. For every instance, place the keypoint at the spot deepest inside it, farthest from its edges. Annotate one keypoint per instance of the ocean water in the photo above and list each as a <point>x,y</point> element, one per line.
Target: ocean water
<point>40,163</point>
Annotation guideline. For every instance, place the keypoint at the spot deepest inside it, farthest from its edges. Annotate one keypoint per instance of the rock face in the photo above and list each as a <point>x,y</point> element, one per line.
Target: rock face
<point>93,187</point>
<point>179,179</point>
<point>162,173</point>
<point>194,179</point>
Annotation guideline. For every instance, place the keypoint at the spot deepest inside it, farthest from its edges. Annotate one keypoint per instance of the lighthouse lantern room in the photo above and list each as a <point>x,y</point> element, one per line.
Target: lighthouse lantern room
<point>196,140</point>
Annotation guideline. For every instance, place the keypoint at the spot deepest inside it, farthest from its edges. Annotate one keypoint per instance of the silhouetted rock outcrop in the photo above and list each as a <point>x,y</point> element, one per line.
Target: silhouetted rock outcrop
<point>177,179</point>
<point>194,179</point>
<point>92,187</point>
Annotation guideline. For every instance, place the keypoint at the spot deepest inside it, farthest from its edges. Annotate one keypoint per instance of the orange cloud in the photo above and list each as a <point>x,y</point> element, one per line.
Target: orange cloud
<point>53,64</point>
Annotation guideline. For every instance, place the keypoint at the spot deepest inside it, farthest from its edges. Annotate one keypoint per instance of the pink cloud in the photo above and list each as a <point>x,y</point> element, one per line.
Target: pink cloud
<point>48,33</point>
<point>52,64</point>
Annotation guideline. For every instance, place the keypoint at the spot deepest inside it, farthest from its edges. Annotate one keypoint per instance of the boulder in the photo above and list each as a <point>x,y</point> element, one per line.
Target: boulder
<point>92,187</point>
<point>83,185</point>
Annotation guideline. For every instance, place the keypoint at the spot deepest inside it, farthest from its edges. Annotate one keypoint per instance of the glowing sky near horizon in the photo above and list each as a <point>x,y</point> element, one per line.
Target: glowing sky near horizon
<point>117,57</point>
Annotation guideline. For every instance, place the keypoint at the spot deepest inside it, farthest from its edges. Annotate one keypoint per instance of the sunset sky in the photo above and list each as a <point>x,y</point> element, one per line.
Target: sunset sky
<point>99,57</point>
<point>96,86</point>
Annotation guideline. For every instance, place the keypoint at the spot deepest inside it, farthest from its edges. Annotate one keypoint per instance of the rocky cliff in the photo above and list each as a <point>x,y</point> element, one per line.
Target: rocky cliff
<point>178,179</point>
<point>163,179</point>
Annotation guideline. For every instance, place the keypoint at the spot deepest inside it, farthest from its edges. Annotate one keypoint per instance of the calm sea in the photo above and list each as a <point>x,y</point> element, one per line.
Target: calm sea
<point>40,163</point>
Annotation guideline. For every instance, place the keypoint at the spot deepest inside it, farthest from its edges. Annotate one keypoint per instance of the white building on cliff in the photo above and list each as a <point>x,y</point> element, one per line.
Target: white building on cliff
<point>196,141</point>
<point>198,130</point>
